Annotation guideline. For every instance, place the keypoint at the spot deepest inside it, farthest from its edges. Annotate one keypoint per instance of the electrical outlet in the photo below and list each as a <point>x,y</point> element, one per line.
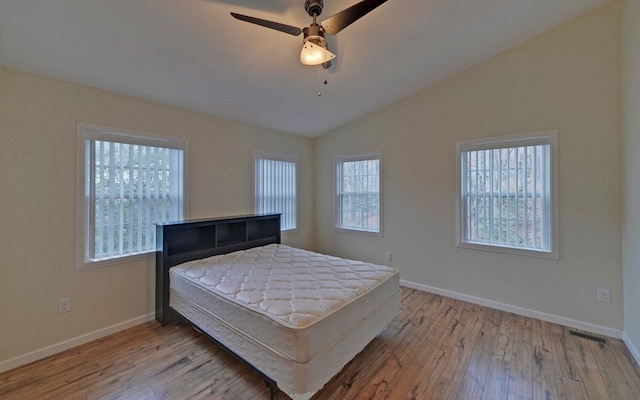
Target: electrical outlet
<point>604,296</point>
<point>64,305</point>
<point>388,256</point>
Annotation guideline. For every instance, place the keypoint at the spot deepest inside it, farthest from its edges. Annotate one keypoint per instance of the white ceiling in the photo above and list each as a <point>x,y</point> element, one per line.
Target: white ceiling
<point>193,54</point>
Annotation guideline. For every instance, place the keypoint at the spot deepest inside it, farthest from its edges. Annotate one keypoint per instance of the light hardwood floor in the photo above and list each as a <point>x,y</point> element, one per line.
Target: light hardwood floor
<point>437,348</point>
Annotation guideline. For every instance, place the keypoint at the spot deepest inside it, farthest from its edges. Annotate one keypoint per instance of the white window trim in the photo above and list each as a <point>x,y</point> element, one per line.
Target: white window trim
<point>84,132</point>
<point>524,139</point>
<point>272,155</point>
<point>377,155</point>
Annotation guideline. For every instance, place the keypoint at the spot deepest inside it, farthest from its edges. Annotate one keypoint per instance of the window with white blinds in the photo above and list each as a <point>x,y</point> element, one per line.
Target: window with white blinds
<point>506,193</point>
<point>358,193</point>
<point>130,182</point>
<point>275,186</point>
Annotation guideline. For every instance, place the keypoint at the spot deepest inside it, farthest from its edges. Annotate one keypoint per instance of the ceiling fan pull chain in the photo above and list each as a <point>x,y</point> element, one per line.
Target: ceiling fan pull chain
<point>322,74</point>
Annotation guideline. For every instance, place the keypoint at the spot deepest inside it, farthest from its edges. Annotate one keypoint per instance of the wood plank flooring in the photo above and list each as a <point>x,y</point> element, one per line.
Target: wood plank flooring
<point>437,348</point>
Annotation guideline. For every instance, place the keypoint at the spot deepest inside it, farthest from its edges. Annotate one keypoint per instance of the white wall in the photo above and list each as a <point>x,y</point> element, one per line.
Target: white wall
<point>566,79</point>
<point>37,204</point>
<point>631,202</point>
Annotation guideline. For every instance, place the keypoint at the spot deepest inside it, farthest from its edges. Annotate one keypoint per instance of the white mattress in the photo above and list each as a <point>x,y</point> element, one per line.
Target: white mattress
<point>296,315</point>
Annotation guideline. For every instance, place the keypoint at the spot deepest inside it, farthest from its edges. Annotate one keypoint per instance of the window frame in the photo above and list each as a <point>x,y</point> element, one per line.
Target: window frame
<point>85,207</point>
<point>276,156</point>
<point>549,137</point>
<point>339,159</point>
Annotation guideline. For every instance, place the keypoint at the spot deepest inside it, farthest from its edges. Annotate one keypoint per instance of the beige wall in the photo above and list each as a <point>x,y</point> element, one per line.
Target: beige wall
<point>631,202</point>
<point>566,79</point>
<point>37,203</point>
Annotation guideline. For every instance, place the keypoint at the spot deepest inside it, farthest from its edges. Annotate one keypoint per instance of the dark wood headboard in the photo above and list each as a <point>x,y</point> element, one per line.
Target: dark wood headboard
<point>179,242</point>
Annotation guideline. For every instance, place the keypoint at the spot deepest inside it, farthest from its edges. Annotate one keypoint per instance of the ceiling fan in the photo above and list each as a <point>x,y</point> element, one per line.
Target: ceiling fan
<point>314,49</point>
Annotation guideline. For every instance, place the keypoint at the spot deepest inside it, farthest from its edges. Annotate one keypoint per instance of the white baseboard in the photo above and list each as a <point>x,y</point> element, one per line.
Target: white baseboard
<point>585,326</point>
<point>634,352</point>
<point>67,344</point>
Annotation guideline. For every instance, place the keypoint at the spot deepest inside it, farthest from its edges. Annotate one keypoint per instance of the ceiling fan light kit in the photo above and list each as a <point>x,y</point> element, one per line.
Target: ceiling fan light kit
<point>314,53</point>
<point>314,48</point>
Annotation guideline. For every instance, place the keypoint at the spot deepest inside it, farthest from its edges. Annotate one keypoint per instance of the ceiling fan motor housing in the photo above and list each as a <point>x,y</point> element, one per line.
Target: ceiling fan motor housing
<point>314,7</point>
<point>313,30</point>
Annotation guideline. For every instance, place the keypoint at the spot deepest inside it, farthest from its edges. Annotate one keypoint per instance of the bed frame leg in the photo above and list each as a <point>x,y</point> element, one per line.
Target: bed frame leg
<point>272,389</point>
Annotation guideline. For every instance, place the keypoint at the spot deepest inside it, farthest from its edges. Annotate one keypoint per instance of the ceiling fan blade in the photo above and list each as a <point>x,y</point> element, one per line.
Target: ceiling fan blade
<point>346,17</point>
<point>291,30</point>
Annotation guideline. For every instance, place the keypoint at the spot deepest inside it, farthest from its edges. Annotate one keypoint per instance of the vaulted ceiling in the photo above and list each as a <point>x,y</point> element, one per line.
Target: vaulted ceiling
<point>193,54</point>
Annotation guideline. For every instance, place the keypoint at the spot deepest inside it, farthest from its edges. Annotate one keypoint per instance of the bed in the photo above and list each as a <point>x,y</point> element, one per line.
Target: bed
<point>296,317</point>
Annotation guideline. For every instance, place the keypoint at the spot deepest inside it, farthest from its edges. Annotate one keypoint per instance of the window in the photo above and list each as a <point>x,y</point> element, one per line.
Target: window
<point>275,186</point>
<point>358,187</point>
<point>128,181</point>
<point>506,194</point>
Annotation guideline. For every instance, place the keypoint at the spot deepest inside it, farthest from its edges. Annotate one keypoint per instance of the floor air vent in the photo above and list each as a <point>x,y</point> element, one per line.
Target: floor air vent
<point>589,337</point>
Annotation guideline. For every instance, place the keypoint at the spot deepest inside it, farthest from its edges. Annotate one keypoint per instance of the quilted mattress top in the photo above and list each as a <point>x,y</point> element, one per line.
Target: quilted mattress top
<point>294,286</point>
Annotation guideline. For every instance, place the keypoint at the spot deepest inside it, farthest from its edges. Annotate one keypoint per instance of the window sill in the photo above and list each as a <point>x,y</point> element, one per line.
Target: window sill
<point>86,265</point>
<point>358,231</point>
<point>553,255</point>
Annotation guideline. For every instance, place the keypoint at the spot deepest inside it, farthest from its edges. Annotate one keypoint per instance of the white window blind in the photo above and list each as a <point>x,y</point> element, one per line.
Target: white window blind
<point>275,186</point>
<point>358,201</point>
<point>131,182</point>
<point>506,193</point>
